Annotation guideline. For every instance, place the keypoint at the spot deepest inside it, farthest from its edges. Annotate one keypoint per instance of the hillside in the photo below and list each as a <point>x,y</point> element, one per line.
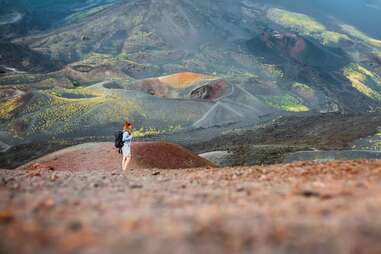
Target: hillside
<point>175,65</point>
<point>294,208</point>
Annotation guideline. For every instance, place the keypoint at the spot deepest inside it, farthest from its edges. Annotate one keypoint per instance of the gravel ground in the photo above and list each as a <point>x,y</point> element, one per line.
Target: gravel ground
<point>305,207</point>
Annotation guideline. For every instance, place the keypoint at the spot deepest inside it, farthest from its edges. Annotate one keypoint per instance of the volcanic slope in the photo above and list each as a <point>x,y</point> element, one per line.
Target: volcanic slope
<point>259,45</point>
<point>175,64</point>
<point>305,207</point>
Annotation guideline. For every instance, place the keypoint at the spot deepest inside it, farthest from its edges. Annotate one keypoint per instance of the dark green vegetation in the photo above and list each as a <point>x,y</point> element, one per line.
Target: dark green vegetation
<point>77,69</point>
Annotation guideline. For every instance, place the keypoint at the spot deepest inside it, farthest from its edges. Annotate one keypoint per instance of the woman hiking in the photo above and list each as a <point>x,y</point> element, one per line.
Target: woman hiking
<point>126,148</point>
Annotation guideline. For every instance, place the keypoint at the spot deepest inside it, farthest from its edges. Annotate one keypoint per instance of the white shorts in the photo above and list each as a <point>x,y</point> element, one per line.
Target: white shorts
<point>126,150</point>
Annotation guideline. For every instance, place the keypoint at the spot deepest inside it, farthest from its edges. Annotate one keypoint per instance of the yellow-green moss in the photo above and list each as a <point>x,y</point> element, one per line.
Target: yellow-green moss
<point>358,76</point>
<point>51,112</point>
<point>286,102</point>
<point>352,31</point>
<point>273,70</point>
<point>328,37</point>
<point>303,90</point>
<point>297,21</point>
<point>305,25</point>
<point>94,59</point>
<point>142,132</point>
<point>8,106</point>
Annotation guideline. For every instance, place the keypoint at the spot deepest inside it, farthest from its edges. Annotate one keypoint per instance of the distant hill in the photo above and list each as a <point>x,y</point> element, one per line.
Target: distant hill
<point>179,64</point>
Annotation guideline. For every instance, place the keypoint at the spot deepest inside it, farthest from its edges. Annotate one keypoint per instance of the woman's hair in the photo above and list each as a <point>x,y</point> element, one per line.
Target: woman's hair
<point>127,126</point>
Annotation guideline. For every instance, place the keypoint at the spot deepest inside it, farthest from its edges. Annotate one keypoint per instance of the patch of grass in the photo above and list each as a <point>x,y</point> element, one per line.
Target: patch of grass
<point>142,132</point>
<point>97,59</point>
<point>328,37</point>
<point>358,76</point>
<point>273,70</point>
<point>60,111</point>
<point>297,21</point>
<point>285,102</point>
<point>303,89</point>
<point>9,106</point>
<point>305,25</point>
<point>354,32</point>
<point>94,59</point>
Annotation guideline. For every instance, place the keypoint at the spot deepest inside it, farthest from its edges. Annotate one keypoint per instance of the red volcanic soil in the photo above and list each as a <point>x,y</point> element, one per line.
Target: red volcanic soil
<point>211,91</point>
<point>153,86</point>
<point>183,79</point>
<point>304,207</point>
<point>104,156</point>
<point>162,86</point>
<point>298,48</point>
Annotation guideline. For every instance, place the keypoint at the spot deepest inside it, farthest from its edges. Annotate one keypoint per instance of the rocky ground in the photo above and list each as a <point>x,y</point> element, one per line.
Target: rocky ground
<point>305,207</point>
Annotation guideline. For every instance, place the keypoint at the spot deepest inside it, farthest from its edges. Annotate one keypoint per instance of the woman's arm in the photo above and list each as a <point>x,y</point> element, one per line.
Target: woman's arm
<point>126,137</point>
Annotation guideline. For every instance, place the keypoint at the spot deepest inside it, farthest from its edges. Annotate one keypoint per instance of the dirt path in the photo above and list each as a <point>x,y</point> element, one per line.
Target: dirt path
<point>296,208</point>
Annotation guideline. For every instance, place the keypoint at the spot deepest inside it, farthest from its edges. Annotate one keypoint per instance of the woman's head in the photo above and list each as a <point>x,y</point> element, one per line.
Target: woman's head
<point>127,125</point>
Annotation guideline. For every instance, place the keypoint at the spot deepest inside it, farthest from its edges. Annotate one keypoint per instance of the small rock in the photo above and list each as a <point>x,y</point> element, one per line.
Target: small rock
<point>3,181</point>
<point>136,186</point>
<point>40,166</point>
<point>237,173</point>
<point>183,186</point>
<point>75,225</point>
<point>309,193</point>
<point>53,177</point>
<point>156,173</point>
<point>6,216</point>
<point>34,173</point>
<point>114,173</point>
<point>85,38</point>
<point>240,189</point>
<point>47,204</point>
<point>15,186</point>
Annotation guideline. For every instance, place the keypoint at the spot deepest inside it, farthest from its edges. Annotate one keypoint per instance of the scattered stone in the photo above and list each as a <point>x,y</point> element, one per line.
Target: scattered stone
<point>156,173</point>
<point>41,166</point>
<point>85,38</point>
<point>75,225</point>
<point>53,177</point>
<point>136,186</point>
<point>3,181</point>
<point>309,194</point>
<point>6,216</point>
<point>46,204</point>
<point>237,173</point>
<point>34,173</point>
<point>15,186</point>
<point>114,173</point>
<point>240,189</point>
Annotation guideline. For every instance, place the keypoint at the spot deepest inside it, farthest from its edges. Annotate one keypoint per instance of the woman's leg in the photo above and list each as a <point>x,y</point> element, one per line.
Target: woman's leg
<point>128,159</point>
<point>124,164</point>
